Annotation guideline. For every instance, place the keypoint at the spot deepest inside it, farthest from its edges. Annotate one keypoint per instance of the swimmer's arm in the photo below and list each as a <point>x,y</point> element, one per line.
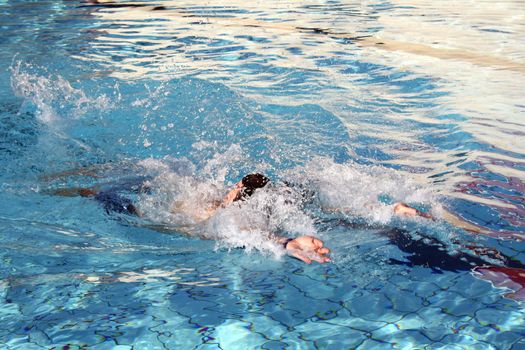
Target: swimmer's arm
<point>461,223</point>
<point>208,212</point>
<point>402,209</point>
<point>230,197</point>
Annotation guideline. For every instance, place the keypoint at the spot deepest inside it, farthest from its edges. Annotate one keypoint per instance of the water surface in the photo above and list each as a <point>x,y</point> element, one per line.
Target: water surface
<point>393,100</point>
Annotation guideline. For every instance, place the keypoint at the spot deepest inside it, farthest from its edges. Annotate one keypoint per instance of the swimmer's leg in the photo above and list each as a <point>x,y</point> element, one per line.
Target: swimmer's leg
<point>110,200</point>
<point>73,192</point>
<point>83,171</point>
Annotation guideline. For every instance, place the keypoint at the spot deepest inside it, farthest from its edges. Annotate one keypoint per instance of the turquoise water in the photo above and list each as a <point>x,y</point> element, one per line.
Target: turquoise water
<point>360,103</point>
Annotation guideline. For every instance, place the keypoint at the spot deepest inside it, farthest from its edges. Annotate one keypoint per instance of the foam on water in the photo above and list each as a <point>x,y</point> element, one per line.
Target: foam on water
<point>363,191</point>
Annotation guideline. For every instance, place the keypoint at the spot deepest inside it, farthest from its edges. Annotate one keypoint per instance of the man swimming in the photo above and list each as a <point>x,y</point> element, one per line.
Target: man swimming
<point>304,248</point>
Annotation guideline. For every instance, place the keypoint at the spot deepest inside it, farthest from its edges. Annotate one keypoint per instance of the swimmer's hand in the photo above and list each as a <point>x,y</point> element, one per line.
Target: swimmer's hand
<point>308,249</point>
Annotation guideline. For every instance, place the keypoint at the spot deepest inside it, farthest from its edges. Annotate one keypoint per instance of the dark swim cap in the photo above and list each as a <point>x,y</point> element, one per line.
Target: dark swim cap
<point>250,183</point>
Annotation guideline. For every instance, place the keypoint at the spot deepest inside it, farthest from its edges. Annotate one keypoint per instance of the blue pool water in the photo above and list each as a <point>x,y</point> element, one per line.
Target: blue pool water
<point>358,104</point>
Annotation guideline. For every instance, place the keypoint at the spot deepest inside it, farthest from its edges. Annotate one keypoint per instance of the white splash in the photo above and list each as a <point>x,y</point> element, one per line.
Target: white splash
<point>53,96</point>
<point>253,223</point>
<point>191,204</point>
<point>360,191</point>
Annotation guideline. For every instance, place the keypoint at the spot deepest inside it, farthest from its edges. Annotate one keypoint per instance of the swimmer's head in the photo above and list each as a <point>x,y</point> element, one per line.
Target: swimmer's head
<point>245,188</point>
<point>249,184</point>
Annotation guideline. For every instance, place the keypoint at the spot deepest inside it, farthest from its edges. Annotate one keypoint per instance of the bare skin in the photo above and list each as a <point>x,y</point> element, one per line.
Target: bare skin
<point>230,197</point>
<point>402,209</point>
<point>308,249</point>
